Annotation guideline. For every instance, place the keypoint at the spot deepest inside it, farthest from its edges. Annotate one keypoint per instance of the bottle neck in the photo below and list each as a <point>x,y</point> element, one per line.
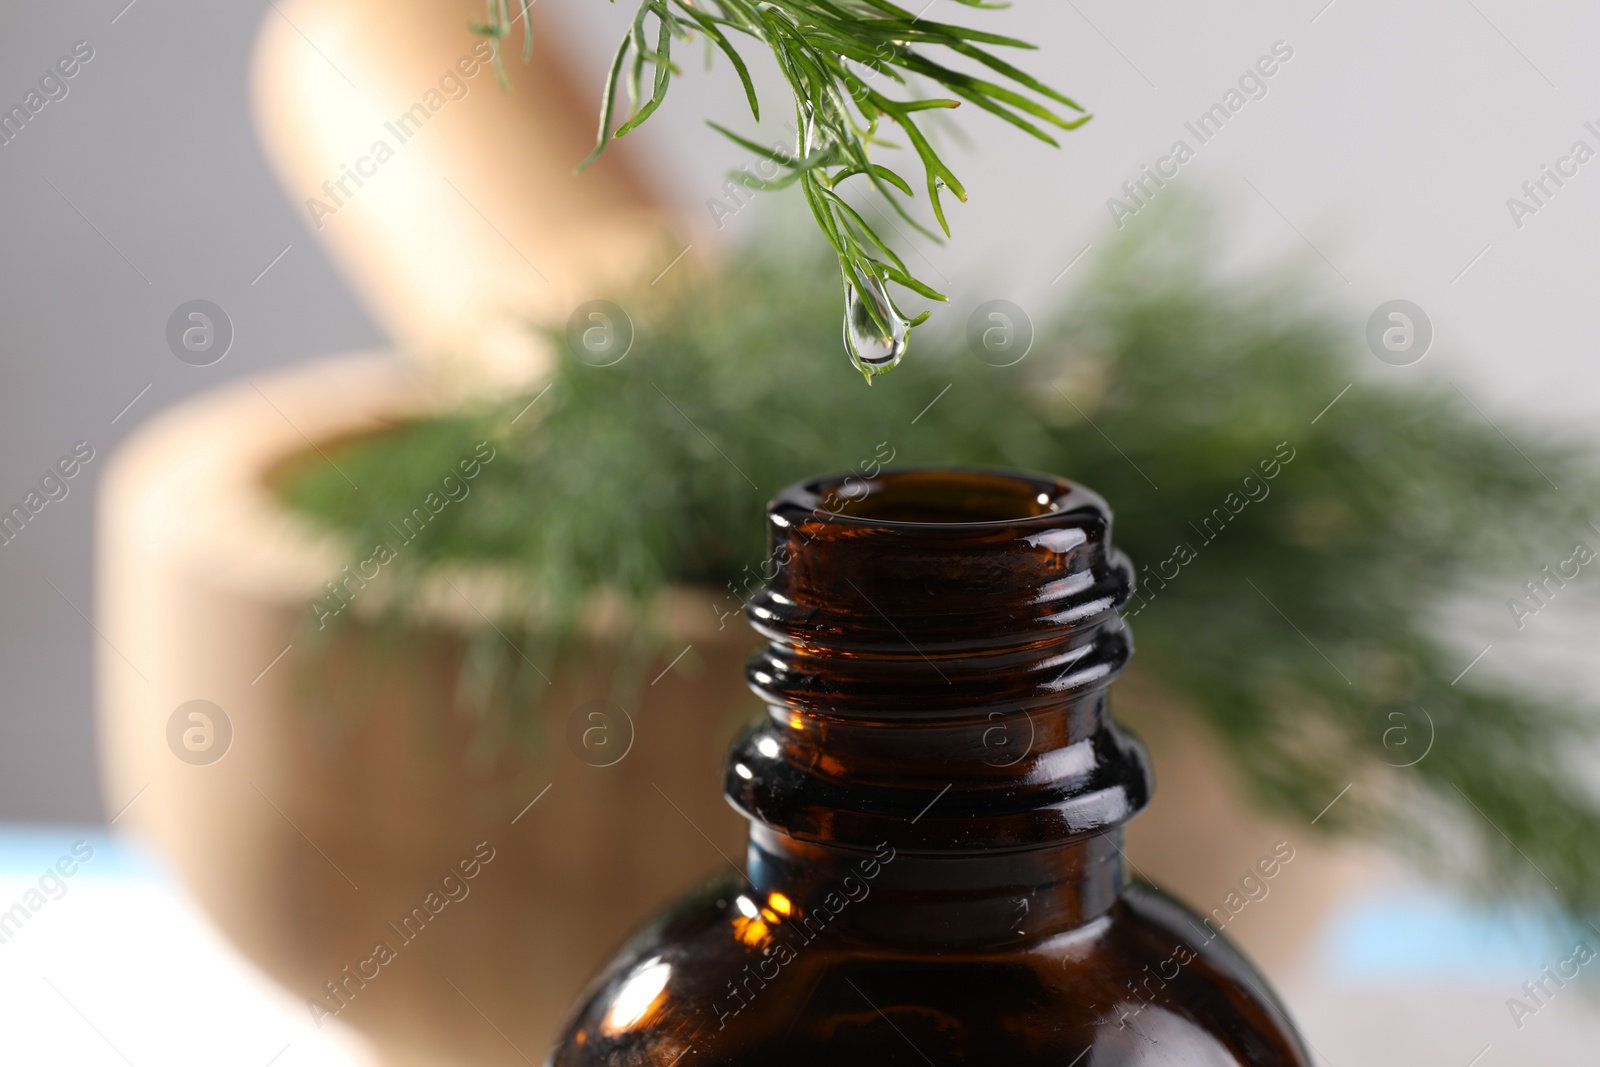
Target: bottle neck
<point>977,899</point>
<point>938,649</point>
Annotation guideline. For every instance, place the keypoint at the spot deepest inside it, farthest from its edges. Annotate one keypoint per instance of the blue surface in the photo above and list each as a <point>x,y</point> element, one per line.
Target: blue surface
<point>1414,934</point>
<point>27,851</point>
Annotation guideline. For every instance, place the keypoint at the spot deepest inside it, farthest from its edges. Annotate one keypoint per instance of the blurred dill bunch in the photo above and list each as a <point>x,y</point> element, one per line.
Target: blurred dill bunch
<point>1302,566</point>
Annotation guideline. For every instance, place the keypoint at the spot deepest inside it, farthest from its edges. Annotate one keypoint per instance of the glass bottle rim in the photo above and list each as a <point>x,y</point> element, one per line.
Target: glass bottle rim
<point>1018,499</point>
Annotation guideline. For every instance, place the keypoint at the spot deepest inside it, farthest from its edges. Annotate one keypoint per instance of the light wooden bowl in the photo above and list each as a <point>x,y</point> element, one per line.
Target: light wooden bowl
<point>351,784</point>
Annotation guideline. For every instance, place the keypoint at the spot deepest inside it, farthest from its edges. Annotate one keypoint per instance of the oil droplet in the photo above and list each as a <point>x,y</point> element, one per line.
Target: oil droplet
<point>867,312</point>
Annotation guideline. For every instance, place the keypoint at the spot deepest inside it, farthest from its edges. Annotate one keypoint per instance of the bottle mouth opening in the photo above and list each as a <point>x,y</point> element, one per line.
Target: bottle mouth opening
<point>936,497</point>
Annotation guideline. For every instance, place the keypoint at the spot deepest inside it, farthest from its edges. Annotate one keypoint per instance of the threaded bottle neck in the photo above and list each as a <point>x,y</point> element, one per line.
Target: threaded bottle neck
<point>938,647</point>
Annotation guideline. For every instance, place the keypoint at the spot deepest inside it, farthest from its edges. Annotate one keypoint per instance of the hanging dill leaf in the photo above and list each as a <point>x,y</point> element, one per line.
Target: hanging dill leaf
<point>853,68</point>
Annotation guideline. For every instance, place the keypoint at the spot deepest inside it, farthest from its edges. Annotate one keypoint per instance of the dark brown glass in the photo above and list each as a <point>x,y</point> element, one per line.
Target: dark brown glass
<point>935,873</point>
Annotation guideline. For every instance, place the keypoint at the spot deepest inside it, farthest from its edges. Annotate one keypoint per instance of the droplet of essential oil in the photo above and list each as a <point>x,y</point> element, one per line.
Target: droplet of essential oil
<point>871,349</point>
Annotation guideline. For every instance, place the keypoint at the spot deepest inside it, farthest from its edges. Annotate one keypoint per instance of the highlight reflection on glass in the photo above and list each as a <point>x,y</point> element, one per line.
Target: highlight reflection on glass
<point>752,924</point>
<point>641,993</point>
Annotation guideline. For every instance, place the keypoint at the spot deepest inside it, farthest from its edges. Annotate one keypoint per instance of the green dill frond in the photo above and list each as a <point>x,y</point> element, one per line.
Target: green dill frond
<point>850,65</point>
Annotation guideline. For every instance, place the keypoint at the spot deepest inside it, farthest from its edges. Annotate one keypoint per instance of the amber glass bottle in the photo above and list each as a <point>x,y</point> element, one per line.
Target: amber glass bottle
<point>936,796</point>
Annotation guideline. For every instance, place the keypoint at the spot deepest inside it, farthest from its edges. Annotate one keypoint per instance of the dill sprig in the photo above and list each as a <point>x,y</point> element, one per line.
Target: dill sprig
<point>832,54</point>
